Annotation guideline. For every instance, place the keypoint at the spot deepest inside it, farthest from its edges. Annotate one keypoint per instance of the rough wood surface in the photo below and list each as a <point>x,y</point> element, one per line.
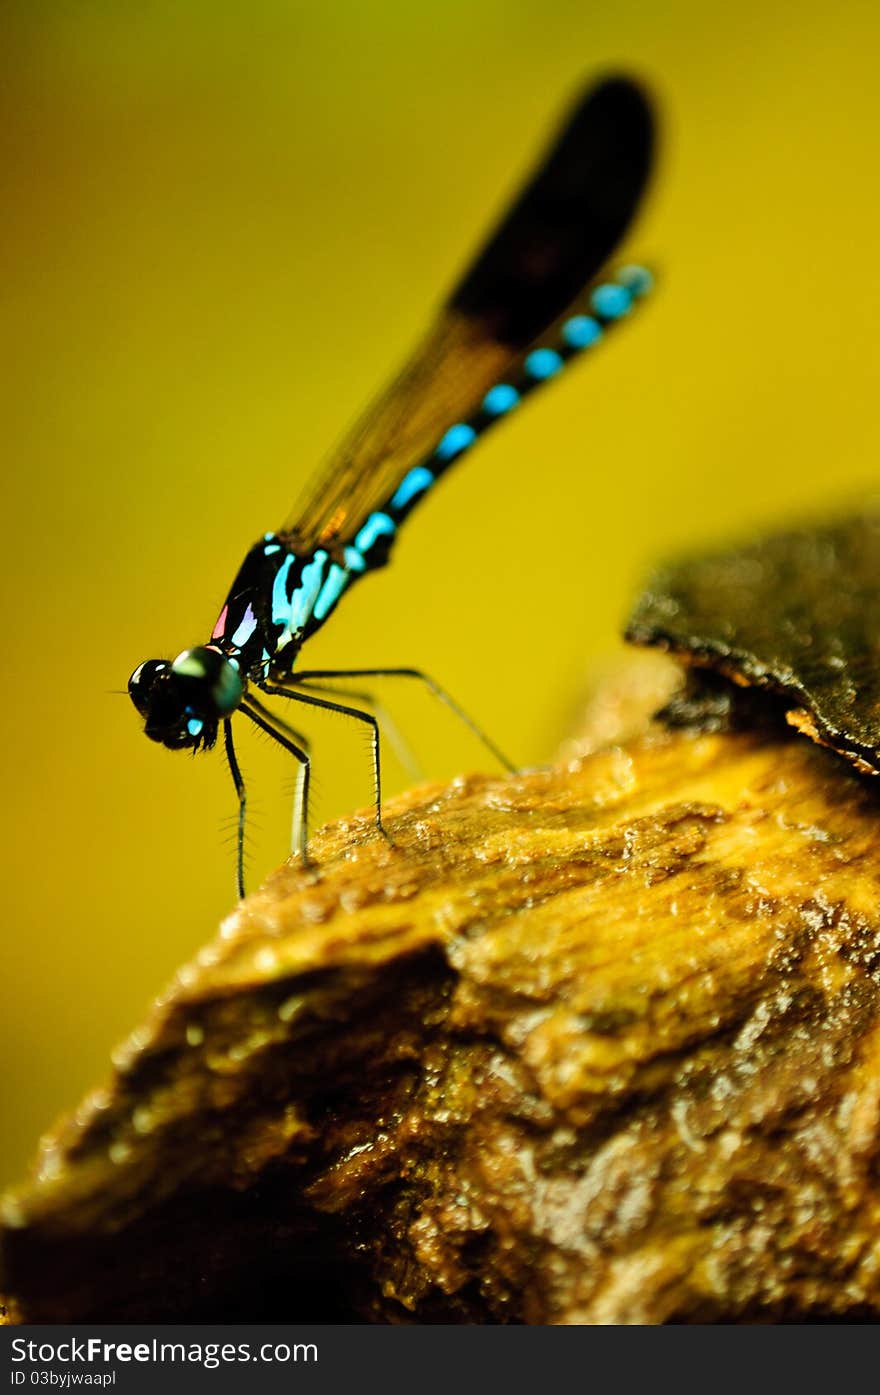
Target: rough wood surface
<point>594,1044</point>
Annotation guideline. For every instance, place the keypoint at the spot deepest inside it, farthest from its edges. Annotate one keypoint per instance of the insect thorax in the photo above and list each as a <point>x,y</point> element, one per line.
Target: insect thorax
<point>280,597</point>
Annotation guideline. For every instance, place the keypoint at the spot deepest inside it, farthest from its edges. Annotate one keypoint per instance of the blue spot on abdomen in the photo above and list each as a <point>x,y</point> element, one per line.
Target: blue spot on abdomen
<point>581,331</point>
<point>457,439</point>
<point>611,301</point>
<point>502,398</point>
<point>376,526</point>
<point>416,482</point>
<point>637,279</point>
<point>542,363</point>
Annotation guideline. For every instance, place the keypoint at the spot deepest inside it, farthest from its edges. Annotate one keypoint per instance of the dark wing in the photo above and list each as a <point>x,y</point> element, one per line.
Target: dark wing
<point>550,244</point>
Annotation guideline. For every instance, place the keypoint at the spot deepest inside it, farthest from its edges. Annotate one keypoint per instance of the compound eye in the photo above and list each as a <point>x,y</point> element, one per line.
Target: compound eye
<point>227,688</point>
<point>212,677</point>
<point>189,664</point>
<point>142,682</point>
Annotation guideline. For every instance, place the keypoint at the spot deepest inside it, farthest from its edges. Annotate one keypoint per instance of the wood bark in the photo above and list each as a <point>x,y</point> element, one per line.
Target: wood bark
<point>592,1044</point>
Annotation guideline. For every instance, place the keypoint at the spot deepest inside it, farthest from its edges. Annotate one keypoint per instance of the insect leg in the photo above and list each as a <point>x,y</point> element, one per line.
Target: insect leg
<point>388,726</point>
<point>302,790</point>
<point>344,710</point>
<point>241,791</point>
<point>432,687</point>
<point>261,720</point>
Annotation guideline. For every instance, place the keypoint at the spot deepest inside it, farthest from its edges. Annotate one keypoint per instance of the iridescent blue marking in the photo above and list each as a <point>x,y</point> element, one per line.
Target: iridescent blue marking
<point>194,725</point>
<point>416,482</point>
<point>246,627</point>
<point>305,595</point>
<point>376,525</point>
<point>457,439</point>
<point>542,363</point>
<point>611,301</point>
<point>268,537</point>
<point>337,580</point>
<point>280,600</point>
<point>270,548</point>
<point>637,279</point>
<point>500,399</point>
<point>233,663</point>
<point>581,331</point>
<point>353,560</point>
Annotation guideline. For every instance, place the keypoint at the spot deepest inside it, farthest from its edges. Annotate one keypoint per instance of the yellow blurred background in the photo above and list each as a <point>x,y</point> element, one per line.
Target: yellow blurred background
<point>222,226</point>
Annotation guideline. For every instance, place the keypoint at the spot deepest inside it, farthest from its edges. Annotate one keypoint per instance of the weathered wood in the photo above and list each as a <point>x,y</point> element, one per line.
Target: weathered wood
<point>792,615</point>
<point>593,1044</point>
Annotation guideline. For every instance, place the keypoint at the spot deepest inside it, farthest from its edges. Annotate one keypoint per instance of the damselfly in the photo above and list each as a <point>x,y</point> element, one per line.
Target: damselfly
<point>511,323</point>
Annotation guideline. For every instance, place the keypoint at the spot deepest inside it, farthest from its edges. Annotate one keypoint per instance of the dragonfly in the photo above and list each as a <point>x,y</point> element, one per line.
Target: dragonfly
<point>534,297</point>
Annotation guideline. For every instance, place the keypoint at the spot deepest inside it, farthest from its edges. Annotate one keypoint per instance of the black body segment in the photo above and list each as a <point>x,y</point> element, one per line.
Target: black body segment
<point>796,615</point>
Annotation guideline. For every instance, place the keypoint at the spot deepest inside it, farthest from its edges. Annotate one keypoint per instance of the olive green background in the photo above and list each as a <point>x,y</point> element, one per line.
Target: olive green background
<point>222,225</point>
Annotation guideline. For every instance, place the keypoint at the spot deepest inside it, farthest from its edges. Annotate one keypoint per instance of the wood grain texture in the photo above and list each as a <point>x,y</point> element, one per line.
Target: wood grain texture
<point>597,1044</point>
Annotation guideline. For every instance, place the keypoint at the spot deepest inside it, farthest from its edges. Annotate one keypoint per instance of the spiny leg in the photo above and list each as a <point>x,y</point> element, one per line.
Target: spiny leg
<point>430,684</point>
<point>311,701</point>
<point>388,726</point>
<point>300,810</point>
<point>241,791</point>
<point>271,729</point>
